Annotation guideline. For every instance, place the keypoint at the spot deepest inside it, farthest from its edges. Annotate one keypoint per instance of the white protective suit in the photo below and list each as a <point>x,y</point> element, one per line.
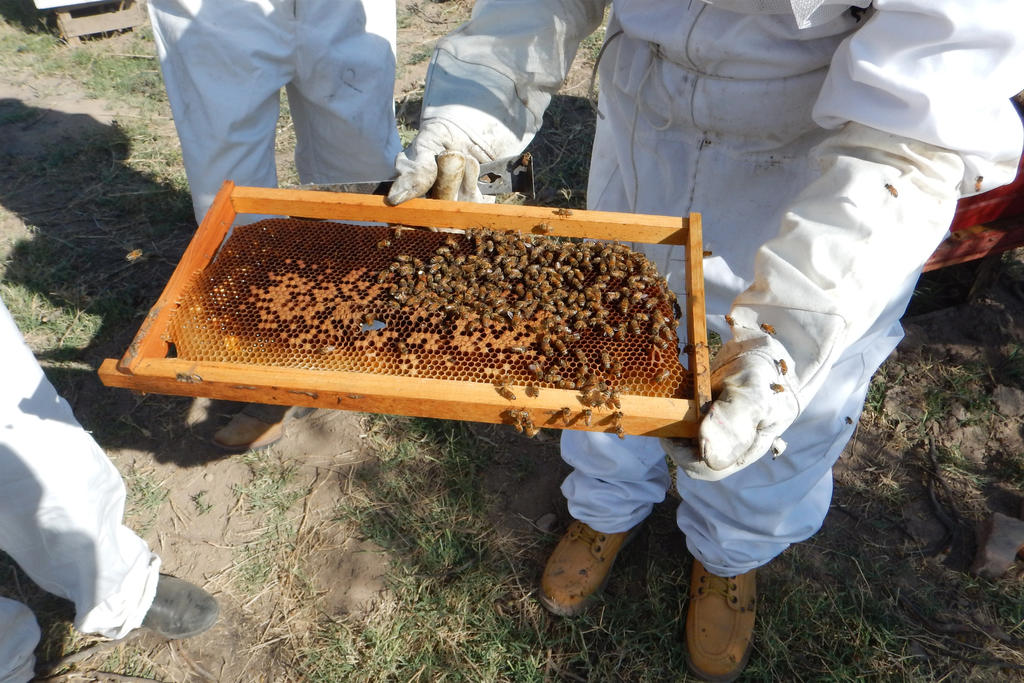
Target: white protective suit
<point>61,508</point>
<point>825,148</point>
<point>224,63</point>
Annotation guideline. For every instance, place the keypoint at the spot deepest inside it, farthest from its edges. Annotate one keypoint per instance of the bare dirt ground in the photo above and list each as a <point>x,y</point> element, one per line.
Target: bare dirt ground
<point>896,501</point>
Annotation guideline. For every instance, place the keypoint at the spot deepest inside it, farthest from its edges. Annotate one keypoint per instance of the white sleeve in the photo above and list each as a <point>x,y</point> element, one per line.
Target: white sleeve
<point>938,71</point>
<point>849,240</point>
<point>493,77</point>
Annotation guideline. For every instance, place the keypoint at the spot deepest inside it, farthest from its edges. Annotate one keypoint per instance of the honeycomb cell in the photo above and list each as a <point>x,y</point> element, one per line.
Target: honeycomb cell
<point>483,306</point>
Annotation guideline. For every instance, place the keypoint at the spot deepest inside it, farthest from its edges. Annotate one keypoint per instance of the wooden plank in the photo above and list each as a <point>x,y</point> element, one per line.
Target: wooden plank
<point>149,341</point>
<point>375,393</point>
<point>128,15</point>
<point>696,318</point>
<point>603,225</point>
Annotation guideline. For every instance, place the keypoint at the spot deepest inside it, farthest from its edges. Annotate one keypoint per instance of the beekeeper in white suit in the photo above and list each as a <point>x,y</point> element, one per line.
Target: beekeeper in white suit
<point>826,144</point>
<point>224,63</point>
<point>61,509</point>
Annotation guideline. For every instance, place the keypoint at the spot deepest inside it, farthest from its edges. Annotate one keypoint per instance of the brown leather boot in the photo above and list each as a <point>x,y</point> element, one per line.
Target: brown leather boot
<point>256,426</point>
<point>720,623</point>
<point>578,568</point>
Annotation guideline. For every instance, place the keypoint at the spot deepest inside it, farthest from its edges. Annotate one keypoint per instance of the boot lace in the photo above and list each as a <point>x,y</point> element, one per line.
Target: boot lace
<point>593,539</point>
<point>724,586</point>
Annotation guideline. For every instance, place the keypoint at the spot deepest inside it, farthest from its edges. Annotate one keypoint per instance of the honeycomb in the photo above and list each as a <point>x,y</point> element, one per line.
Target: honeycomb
<point>480,306</point>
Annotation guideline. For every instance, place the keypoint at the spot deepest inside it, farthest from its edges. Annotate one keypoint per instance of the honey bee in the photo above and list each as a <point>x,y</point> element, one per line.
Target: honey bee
<point>542,228</point>
<point>404,258</point>
<point>662,376</point>
<point>588,416</point>
<point>532,391</point>
<point>848,419</point>
<point>606,360</point>
<point>530,430</point>
<point>891,190</point>
<point>777,388</point>
<point>977,183</point>
<point>708,253</point>
<point>133,255</point>
<point>324,350</point>
<point>783,368</point>
<point>368,319</point>
<point>559,344</point>
<point>767,328</point>
<point>620,432</point>
<point>729,320</point>
<point>517,349</point>
<point>402,348</point>
<point>563,212</point>
<point>451,241</point>
<point>545,345</point>
<point>384,243</point>
<point>566,413</point>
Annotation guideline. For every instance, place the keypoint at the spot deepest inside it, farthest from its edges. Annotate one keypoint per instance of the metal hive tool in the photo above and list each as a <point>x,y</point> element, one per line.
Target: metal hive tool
<point>495,322</point>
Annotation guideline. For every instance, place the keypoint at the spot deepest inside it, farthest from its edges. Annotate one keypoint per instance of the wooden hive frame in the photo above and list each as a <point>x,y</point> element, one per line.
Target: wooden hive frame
<point>146,367</point>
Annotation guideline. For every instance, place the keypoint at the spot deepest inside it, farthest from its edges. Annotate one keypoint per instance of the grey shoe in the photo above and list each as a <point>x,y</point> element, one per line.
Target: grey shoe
<point>180,609</point>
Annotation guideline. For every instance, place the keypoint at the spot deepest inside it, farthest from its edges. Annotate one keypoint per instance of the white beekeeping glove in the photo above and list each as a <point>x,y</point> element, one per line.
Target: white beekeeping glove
<point>851,239</point>
<point>441,161</point>
<point>754,404</point>
<point>488,85</point>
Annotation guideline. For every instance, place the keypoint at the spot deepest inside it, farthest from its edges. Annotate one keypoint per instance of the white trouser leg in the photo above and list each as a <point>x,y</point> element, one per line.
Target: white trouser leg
<point>743,521</point>
<point>19,635</point>
<point>224,64</point>
<point>62,502</point>
<point>615,482</point>
<point>342,97</point>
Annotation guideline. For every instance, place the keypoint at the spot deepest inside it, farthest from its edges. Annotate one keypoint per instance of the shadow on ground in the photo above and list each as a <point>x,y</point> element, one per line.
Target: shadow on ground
<point>100,240</point>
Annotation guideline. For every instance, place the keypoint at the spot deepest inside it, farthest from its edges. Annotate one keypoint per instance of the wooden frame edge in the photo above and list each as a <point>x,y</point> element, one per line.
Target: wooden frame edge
<point>148,341</point>
<point>423,397</point>
<point>696,316</point>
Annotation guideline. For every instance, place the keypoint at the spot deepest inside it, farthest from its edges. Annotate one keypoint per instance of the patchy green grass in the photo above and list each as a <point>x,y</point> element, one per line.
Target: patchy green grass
<point>271,496</point>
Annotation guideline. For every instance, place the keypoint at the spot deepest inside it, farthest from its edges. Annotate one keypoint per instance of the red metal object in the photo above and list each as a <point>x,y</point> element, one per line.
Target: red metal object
<point>987,223</point>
